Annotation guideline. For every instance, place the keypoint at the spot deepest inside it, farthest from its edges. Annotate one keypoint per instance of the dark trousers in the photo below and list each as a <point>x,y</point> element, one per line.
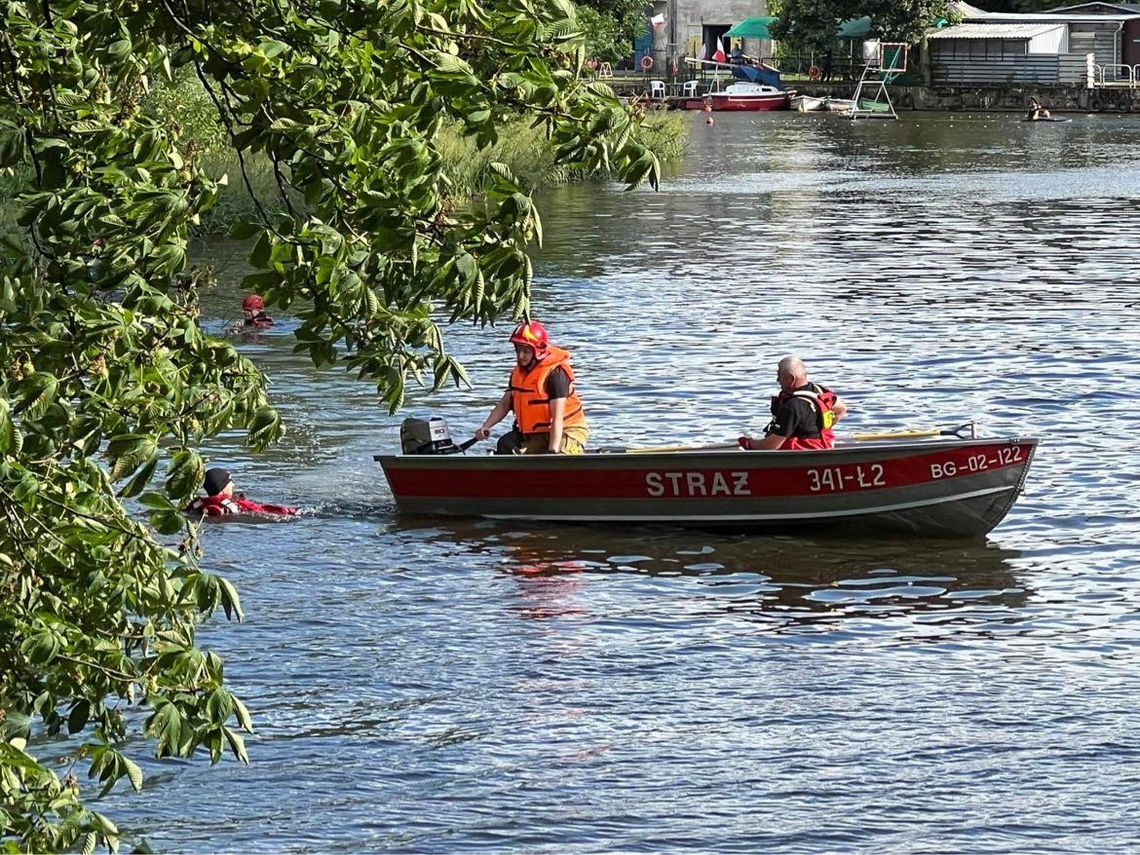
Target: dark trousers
<point>510,442</point>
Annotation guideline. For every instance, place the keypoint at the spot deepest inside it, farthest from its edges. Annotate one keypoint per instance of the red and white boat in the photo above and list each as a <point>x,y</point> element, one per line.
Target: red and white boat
<point>744,96</point>
<point>757,87</point>
<point>933,488</point>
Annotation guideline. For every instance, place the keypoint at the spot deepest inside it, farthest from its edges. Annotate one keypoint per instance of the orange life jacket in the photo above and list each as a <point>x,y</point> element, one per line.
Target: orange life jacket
<point>528,394</point>
<point>822,401</point>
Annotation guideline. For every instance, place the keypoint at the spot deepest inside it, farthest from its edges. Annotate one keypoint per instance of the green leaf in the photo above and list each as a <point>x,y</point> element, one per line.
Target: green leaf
<point>7,428</point>
<point>165,724</point>
<point>39,392</point>
<point>141,477</point>
<point>168,522</point>
<point>79,715</point>
<point>134,773</point>
<point>185,475</point>
<point>244,230</point>
<point>230,601</point>
<point>265,427</point>
<point>242,714</point>
<point>156,502</point>
<point>237,744</point>
<point>129,451</point>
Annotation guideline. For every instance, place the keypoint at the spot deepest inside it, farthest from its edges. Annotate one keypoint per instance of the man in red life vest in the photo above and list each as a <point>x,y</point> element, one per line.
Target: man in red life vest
<point>220,499</point>
<point>802,414</point>
<point>548,413</point>
<point>253,307</point>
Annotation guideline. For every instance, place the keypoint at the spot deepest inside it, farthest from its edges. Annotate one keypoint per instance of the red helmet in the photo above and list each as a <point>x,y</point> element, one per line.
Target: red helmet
<point>252,303</point>
<point>532,334</point>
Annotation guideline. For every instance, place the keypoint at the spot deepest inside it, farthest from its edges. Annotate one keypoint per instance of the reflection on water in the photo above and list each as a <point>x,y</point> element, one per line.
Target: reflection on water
<point>781,583</point>
<point>439,686</point>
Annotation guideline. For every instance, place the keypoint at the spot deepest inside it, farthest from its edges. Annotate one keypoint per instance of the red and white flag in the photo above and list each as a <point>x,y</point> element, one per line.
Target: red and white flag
<point>719,55</point>
<point>658,21</point>
<point>704,52</point>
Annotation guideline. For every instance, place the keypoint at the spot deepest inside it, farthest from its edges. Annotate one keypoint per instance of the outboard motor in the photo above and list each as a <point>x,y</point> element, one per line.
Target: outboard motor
<point>430,436</point>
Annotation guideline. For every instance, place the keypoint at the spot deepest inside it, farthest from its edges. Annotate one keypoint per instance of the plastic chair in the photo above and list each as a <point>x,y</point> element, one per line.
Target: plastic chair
<point>689,89</point>
<point>657,89</point>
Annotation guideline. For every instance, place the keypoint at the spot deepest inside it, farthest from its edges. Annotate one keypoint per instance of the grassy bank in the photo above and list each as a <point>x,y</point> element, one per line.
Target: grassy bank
<point>523,148</point>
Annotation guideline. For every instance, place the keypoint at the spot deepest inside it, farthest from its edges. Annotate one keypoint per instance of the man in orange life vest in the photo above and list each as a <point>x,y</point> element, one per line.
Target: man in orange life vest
<point>548,413</point>
<point>802,414</point>
<point>220,500</point>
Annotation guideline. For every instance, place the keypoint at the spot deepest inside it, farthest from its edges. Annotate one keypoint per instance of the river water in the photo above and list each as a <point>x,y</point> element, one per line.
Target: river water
<point>447,686</point>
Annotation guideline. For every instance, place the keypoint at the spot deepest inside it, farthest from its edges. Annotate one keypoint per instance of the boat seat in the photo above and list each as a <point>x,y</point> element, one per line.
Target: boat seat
<point>656,88</point>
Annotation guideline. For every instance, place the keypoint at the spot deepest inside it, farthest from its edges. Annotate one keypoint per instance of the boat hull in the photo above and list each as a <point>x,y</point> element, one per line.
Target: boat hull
<point>807,103</point>
<point>748,103</point>
<point>946,488</point>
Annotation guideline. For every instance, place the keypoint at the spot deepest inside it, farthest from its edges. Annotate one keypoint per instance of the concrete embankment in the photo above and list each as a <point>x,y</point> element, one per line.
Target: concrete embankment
<point>1059,99</point>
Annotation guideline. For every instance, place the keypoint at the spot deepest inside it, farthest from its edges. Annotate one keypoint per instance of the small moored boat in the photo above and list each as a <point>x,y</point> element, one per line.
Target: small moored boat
<point>748,96</point>
<point>757,87</point>
<point>935,488</point>
<point>807,103</point>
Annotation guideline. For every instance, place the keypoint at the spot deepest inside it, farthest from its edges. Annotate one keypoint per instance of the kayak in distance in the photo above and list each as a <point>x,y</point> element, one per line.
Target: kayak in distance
<point>941,487</point>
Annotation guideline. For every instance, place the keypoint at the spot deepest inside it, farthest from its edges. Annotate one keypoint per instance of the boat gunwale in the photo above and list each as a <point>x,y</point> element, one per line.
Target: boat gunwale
<point>873,449</point>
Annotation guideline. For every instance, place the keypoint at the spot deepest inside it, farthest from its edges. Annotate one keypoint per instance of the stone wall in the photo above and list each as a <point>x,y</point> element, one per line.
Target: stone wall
<point>1059,99</point>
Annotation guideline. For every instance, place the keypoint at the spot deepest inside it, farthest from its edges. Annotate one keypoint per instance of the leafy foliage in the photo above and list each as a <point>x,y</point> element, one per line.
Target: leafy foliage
<point>108,384</point>
<point>811,24</point>
<point>611,27</point>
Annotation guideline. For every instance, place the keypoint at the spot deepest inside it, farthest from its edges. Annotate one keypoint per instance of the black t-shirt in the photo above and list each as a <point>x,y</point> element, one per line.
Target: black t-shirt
<point>795,417</point>
<point>558,384</point>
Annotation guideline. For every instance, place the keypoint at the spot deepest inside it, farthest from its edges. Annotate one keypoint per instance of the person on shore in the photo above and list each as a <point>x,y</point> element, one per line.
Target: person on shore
<point>220,499</point>
<point>253,308</point>
<point>802,414</point>
<point>1036,111</point>
<point>736,57</point>
<point>549,418</point>
<point>825,68</point>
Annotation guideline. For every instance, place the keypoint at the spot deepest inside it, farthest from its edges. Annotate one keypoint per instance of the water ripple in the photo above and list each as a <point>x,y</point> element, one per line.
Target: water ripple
<point>439,686</point>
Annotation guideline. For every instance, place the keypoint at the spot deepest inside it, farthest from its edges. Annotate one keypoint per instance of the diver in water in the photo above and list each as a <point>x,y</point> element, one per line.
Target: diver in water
<point>221,500</point>
<point>255,319</point>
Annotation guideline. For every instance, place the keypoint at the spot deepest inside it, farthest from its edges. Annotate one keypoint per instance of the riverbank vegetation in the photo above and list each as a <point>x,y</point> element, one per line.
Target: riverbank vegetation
<point>338,117</point>
<point>812,24</point>
<point>522,147</point>
<point>611,27</point>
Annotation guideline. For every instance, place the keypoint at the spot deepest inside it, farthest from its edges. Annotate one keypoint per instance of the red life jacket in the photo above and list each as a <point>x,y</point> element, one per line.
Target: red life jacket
<point>218,506</point>
<point>822,401</point>
<point>259,321</point>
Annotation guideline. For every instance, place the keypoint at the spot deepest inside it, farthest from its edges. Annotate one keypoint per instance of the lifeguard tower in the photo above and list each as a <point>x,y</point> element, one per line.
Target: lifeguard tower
<point>884,62</point>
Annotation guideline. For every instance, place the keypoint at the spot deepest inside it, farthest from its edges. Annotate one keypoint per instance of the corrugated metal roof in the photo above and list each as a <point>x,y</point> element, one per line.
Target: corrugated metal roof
<point>993,31</point>
<point>1123,7</point>
<point>1027,17</point>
